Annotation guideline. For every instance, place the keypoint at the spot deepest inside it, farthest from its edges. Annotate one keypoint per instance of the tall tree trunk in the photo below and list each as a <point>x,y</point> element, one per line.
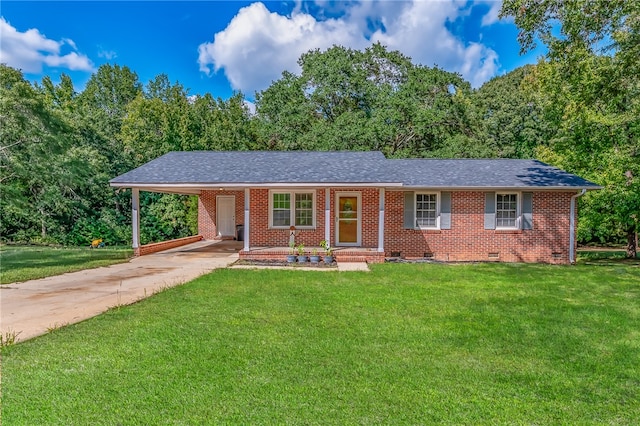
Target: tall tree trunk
<point>631,243</point>
<point>43,225</point>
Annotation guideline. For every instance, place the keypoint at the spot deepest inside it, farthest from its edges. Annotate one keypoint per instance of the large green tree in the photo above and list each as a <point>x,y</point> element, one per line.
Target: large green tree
<point>373,99</point>
<point>511,115</point>
<point>591,83</point>
<point>41,173</point>
<point>164,117</point>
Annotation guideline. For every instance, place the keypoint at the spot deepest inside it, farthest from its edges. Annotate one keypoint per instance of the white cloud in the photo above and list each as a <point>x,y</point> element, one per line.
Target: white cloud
<point>258,45</point>
<point>107,54</point>
<point>251,106</point>
<point>420,32</point>
<point>492,16</point>
<point>30,50</point>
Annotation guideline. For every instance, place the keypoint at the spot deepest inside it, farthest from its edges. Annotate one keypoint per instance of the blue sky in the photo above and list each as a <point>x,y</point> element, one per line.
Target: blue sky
<point>223,46</point>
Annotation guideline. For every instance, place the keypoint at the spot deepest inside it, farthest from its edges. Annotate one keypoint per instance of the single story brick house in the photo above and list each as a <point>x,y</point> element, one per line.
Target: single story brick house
<point>369,207</point>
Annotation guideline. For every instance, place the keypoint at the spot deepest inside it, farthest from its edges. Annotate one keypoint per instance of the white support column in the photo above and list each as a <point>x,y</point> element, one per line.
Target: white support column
<point>327,215</point>
<point>135,216</point>
<point>247,232</point>
<point>381,223</point>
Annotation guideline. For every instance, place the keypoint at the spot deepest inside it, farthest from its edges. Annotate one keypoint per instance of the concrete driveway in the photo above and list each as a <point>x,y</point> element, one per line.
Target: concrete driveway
<point>34,307</point>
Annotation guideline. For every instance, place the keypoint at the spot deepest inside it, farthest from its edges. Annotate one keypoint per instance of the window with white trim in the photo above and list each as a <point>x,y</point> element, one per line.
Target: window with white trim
<point>507,210</point>
<point>288,208</point>
<point>281,209</point>
<point>427,210</point>
<point>304,209</point>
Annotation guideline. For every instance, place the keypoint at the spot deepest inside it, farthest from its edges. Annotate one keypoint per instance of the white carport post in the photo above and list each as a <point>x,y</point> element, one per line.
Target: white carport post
<point>135,217</point>
<point>327,216</point>
<point>246,219</point>
<point>381,223</point>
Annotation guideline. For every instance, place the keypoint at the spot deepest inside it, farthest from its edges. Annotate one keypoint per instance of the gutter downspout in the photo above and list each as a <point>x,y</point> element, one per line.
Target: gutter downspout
<point>572,226</point>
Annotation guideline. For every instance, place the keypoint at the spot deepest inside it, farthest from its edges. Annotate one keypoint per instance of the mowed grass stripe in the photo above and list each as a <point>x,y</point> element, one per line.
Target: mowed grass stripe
<point>414,344</point>
<point>22,263</point>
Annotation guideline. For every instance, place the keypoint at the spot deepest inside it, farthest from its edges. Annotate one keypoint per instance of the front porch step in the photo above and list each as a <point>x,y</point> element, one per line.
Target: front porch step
<point>366,255</point>
<point>355,256</point>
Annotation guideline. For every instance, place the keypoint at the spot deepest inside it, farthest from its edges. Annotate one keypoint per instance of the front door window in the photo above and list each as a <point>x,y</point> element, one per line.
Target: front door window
<point>348,219</point>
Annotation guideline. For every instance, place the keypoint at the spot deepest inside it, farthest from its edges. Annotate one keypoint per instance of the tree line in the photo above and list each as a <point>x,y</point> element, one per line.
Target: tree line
<point>577,109</point>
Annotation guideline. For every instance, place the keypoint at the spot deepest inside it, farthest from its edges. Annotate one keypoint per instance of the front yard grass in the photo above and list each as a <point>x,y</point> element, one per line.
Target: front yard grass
<point>402,344</point>
<point>22,263</point>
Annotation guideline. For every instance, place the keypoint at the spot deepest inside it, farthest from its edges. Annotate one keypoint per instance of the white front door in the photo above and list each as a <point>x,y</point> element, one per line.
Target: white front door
<point>348,221</point>
<point>226,215</point>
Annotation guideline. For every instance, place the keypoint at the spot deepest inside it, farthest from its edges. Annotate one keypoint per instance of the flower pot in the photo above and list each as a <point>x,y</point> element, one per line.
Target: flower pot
<point>291,258</point>
<point>303,259</point>
<point>314,258</point>
<point>328,259</point>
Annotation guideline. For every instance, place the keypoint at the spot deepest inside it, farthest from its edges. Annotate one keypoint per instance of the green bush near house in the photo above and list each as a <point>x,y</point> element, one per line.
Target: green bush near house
<point>402,344</point>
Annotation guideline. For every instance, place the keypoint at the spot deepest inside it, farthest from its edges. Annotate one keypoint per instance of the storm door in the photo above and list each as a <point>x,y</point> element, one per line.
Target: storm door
<point>348,219</point>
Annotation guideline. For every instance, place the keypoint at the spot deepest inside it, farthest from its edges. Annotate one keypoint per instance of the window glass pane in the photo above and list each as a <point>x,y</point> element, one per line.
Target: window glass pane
<point>426,210</point>
<point>304,209</point>
<point>281,201</point>
<point>304,218</point>
<point>506,210</point>
<point>281,218</point>
<point>281,209</point>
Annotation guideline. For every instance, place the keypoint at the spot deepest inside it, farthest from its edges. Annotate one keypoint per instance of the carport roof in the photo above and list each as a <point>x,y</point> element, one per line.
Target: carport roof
<point>201,169</point>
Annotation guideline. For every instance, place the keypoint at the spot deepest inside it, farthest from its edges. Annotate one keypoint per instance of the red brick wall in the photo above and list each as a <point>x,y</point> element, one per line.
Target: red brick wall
<point>207,212</point>
<point>263,236</point>
<point>165,245</point>
<point>467,240</point>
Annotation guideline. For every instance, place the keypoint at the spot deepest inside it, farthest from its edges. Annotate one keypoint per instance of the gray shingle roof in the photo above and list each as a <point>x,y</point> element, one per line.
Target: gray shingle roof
<point>486,173</point>
<point>244,168</point>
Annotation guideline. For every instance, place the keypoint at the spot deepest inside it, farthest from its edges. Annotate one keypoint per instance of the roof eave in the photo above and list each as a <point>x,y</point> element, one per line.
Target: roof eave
<point>226,185</point>
<point>505,188</point>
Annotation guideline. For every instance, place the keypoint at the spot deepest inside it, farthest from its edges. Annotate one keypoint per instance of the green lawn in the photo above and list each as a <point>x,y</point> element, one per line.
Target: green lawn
<point>21,263</point>
<point>403,344</point>
<point>605,257</point>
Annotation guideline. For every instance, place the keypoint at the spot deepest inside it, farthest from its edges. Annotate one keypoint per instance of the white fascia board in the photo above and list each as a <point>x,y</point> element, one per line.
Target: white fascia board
<point>200,186</point>
<point>160,189</point>
<point>326,185</point>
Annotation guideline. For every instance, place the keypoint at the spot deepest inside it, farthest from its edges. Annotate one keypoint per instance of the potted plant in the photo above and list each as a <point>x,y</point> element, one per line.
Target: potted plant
<point>291,257</point>
<point>302,257</point>
<point>328,251</point>
<point>315,258</point>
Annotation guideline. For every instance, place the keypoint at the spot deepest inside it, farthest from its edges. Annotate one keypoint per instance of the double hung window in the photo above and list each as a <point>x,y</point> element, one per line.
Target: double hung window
<point>288,208</point>
<point>426,210</point>
<point>507,210</point>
